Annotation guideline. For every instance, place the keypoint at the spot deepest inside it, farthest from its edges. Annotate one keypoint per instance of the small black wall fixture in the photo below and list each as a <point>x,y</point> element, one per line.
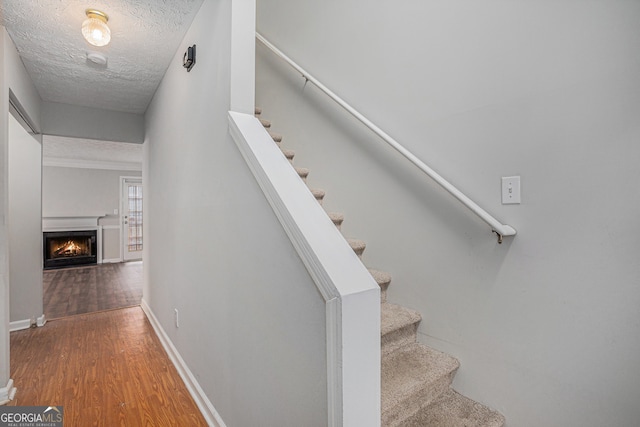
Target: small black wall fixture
<point>189,58</point>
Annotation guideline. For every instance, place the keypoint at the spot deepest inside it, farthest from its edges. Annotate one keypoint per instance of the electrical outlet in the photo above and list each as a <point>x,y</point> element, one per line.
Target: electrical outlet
<point>177,317</point>
<point>510,190</point>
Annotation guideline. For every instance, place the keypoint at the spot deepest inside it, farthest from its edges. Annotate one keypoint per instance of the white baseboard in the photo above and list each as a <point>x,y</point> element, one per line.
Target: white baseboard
<point>19,325</point>
<point>111,260</point>
<point>204,404</point>
<point>7,393</point>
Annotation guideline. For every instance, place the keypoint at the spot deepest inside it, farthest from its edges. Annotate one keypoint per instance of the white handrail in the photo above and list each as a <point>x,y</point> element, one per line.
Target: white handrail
<point>496,226</point>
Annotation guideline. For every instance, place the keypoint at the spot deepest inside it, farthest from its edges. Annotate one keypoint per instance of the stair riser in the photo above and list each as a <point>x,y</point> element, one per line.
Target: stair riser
<point>394,340</point>
<point>453,407</point>
<point>289,155</point>
<point>277,139</point>
<point>303,174</point>
<point>407,408</point>
<point>337,220</point>
<point>357,246</point>
<point>383,293</point>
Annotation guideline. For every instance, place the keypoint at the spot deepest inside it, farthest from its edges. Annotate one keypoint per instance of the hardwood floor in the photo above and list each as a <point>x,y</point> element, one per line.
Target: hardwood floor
<point>105,369</point>
<point>79,290</point>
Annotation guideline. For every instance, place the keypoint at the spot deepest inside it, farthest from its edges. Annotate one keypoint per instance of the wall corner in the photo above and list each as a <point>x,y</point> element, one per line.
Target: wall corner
<point>243,46</point>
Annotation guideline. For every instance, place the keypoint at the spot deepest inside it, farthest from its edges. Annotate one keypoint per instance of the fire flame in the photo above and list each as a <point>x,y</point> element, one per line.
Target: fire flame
<point>70,248</point>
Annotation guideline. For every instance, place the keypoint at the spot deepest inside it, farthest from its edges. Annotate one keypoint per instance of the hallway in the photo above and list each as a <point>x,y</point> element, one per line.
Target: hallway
<point>105,369</point>
<point>80,290</point>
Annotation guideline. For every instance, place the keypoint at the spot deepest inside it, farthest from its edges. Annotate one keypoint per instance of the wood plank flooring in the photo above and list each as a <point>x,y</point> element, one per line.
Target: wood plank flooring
<point>105,369</point>
<point>79,290</point>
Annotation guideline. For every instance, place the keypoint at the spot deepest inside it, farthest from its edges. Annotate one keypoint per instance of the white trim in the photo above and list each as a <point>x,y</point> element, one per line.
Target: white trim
<point>68,222</point>
<point>334,370</point>
<point>91,164</point>
<point>111,227</point>
<point>123,203</point>
<point>204,404</point>
<point>351,295</point>
<point>19,325</point>
<point>7,393</point>
<point>113,260</point>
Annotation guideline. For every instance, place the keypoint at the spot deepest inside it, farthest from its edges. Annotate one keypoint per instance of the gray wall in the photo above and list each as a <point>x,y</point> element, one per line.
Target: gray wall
<point>79,191</point>
<point>14,79</point>
<point>251,320</point>
<point>24,221</point>
<point>545,325</point>
<point>91,123</point>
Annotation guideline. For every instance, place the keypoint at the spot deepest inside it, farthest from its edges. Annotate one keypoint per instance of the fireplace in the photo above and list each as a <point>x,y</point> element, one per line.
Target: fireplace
<point>69,248</point>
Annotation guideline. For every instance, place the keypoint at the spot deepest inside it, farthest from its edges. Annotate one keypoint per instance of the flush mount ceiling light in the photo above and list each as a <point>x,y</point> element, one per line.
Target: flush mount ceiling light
<point>95,29</point>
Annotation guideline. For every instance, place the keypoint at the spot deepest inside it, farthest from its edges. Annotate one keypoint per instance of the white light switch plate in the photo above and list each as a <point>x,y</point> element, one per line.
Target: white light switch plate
<point>510,190</point>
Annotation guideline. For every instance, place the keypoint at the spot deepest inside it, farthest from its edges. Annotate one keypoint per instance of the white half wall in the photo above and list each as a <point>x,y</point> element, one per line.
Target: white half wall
<point>545,325</point>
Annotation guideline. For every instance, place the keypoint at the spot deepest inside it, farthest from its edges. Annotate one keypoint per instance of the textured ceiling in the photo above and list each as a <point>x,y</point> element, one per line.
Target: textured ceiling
<point>145,35</point>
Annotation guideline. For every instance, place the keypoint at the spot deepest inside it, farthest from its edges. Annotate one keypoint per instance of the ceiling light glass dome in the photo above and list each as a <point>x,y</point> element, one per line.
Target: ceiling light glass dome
<point>95,29</point>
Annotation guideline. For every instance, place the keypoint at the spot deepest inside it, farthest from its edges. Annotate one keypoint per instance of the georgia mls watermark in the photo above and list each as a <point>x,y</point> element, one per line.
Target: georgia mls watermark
<point>31,416</point>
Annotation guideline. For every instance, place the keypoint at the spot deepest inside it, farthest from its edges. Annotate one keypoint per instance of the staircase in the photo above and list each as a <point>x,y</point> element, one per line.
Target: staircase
<point>416,380</point>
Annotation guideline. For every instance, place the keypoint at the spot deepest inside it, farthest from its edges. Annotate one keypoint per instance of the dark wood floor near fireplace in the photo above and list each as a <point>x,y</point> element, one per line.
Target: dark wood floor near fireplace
<point>80,290</point>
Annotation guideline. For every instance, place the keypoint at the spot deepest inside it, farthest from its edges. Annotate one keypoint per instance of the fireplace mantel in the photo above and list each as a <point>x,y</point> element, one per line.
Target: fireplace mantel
<point>70,221</point>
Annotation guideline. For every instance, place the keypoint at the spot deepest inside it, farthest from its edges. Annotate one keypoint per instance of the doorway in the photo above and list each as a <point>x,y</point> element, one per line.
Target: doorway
<point>131,218</point>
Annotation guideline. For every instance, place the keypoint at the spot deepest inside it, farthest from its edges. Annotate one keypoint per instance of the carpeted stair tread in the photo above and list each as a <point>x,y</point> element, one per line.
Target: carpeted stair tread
<point>398,326</point>
<point>318,194</point>
<point>358,246</point>
<point>394,317</point>
<point>454,410</point>
<point>383,279</point>
<point>413,377</point>
<point>265,123</point>
<point>302,172</point>
<point>257,111</point>
<point>275,136</point>
<point>336,218</point>
<point>289,154</point>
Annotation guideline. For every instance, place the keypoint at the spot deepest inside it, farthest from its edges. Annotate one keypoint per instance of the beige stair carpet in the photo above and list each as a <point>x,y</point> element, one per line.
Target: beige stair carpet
<point>416,380</point>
